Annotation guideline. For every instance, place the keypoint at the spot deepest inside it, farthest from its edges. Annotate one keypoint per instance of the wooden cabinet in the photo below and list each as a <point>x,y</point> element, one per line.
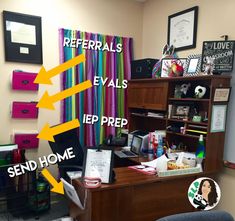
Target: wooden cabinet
<point>148,95</point>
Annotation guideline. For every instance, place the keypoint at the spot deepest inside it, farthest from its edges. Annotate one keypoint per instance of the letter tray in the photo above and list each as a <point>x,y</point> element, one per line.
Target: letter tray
<point>24,110</point>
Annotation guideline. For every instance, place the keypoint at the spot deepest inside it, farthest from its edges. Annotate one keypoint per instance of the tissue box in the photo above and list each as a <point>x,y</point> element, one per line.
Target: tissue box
<point>24,81</point>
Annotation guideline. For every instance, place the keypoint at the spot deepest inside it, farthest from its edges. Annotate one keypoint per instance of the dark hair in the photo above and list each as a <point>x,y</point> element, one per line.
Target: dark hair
<point>212,196</point>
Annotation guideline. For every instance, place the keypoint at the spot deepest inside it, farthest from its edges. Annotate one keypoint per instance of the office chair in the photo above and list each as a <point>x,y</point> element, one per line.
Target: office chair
<point>199,215</point>
<point>62,142</point>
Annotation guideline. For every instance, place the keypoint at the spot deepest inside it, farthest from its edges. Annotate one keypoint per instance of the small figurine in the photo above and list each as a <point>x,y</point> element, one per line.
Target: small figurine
<point>209,67</point>
<point>200,91</point>
<point>167,52</point>
<point>185,90</point>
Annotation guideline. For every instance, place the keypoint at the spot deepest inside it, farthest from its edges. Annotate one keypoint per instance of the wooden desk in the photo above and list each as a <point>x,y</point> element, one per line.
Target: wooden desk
<point>134,196</point>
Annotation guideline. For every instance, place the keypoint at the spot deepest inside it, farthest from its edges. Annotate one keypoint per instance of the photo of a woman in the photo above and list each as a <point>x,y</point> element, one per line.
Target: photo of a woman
<point>207,194</point>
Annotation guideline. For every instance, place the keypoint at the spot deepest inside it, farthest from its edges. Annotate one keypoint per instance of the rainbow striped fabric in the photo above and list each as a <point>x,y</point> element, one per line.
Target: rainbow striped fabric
<point>98,100</point>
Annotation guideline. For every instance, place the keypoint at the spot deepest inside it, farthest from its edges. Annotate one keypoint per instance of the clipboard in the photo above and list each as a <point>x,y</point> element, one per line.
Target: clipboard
<point>98,162</point>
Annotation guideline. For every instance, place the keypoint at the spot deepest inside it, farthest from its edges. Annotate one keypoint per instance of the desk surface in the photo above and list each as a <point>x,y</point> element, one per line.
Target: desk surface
<point>135,196</point>
<point>128,177</point>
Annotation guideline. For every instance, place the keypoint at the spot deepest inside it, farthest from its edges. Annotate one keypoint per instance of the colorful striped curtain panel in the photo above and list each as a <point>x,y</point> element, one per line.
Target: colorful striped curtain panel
<point>98,100</point>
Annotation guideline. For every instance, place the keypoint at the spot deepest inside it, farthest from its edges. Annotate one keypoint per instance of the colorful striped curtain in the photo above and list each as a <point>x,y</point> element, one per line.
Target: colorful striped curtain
<point>98,100</point>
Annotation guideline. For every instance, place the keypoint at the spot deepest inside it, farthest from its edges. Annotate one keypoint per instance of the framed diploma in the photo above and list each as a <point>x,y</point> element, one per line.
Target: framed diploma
<point>98,163</point>
<point>182,29</point>
<point>22,37</point>
<point>218,118</point>
<point>222,94</point>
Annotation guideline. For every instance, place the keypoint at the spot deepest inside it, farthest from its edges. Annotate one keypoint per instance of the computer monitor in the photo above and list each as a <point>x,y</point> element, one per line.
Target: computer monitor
<point>136,144</point>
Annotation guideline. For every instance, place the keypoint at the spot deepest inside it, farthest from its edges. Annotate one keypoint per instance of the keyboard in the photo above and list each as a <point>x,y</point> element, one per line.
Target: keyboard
<point>128,153</point>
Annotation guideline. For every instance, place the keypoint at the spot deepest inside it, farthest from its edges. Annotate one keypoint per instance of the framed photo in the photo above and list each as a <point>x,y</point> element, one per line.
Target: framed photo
<point>182,29</point>
<point>98,163</point>
<point>193,65</point>
<point>222,94</point>
<point>218,118</point>
<point>180,111</point>
<point>167,66</point>
<point>22,37</point>
<point>223,54</point>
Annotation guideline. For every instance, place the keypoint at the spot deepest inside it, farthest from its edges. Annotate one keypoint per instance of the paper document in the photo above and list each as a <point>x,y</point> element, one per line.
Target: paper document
<point>72,194</point>
<point>21,33</point>
<point>160,163</point>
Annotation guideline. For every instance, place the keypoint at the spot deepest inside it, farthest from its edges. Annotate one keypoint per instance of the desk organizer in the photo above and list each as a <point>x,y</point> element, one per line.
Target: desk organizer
<point>26,140</point>
<point>176,172</point>
<point>24,110</point>
<point>24,81</point>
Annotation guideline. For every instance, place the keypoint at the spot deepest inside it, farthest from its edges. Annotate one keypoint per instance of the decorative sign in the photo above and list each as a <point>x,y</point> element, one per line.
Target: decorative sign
<point>222,52</point>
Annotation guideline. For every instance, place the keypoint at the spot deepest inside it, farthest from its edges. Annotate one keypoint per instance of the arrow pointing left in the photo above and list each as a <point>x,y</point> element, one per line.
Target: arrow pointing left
<point>48,133</point>
<point>48,101</point>
<point>57,187</point>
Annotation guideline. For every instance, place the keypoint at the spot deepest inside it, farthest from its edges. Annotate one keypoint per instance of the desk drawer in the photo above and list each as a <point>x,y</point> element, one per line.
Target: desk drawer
<point>24,110</point>
<point>24,81</point>
<point>26,141</point>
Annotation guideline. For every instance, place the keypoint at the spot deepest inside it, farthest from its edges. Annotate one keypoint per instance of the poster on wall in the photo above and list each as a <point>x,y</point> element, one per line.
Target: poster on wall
<point>222,52</point>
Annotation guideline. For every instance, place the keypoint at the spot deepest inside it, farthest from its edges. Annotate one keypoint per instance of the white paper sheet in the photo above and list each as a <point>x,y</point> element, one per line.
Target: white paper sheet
<point>98,164</point>
<point>72,194</point>
<point>21,33</point>
<point>160,163</point>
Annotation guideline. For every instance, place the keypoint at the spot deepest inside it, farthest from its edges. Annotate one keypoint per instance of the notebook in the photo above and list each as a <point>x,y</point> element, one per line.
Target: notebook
<point>134,148</point>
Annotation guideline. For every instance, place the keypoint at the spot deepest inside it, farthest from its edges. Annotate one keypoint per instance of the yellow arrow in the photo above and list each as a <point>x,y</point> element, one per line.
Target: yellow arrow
<point>47,101</point>
<point>48,133</point>
<point>43,76</point>
<point>57,187</point>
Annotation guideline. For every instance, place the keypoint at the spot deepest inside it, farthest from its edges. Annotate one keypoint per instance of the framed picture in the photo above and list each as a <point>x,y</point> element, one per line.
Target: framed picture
<point>222,94</point>
<point>193,65</point>
<point>22,37</point>
<point>180,111</point>
<point>218,118</point>
<point>98,163</point>
<point>222,52</point>
<point>168,67</point>
<point>182,29</point>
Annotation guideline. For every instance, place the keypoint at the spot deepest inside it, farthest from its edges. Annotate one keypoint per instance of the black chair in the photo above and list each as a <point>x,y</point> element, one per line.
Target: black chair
<point>62,142</point>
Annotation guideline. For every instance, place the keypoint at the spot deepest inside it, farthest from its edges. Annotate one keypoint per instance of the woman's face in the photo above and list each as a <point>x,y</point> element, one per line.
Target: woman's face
<point>206,187</point>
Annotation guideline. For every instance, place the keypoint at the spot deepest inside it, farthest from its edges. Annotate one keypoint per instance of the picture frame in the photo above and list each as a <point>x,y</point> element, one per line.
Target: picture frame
<point>181,111</point>
<point>98,160</point>
<point>222,94</point>
<point>182,29</point>
<point>166,65</point>
<point>218,118</point>
<point>223,54</point>
<point>193,65</point>
<point>22,37</point>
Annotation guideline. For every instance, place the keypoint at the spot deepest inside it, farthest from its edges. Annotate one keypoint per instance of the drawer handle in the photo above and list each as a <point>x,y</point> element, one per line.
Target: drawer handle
<point>26,141</point>
<point>25,111</point>
<point>25,82</point>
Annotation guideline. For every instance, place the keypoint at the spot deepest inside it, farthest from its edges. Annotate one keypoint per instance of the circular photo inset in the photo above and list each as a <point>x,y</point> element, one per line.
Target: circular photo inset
<point>204,193</point>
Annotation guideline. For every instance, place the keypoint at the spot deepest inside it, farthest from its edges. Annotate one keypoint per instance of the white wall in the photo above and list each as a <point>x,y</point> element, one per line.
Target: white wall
<point>215,18</point>
<point>122,18</point>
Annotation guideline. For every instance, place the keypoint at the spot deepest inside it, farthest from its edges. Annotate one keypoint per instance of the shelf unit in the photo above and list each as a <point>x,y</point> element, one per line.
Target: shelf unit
<point>155,95</point>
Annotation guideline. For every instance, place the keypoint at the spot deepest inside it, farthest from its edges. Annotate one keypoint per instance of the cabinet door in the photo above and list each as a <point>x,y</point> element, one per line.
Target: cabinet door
<point>148,95</point>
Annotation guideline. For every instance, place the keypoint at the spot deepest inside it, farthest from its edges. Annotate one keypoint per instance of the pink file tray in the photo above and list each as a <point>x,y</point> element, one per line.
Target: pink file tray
<point>26,141</point>
<point>24,110</point>
<point>24,81</point>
